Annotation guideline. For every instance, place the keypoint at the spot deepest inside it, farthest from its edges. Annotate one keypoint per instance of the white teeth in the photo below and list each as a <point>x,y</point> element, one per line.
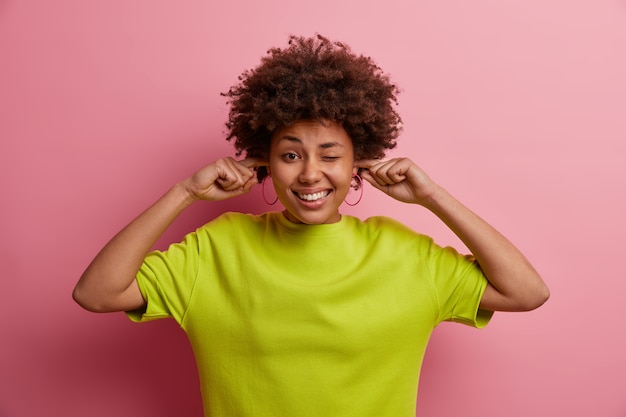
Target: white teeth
<point>312,197</point>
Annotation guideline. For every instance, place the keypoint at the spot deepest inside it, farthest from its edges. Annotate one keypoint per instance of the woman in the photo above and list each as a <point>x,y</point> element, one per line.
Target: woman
<point>307,312</point>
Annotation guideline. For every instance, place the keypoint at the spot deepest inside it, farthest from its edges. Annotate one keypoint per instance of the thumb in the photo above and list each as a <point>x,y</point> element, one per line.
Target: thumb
<point>365,174</point>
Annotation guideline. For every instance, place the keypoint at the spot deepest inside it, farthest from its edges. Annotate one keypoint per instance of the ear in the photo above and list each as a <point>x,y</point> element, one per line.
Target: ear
<point>355,168</point>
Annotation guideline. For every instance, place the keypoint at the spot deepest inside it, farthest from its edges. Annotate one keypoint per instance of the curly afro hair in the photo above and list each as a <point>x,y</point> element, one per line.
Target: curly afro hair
<point>313,79</point>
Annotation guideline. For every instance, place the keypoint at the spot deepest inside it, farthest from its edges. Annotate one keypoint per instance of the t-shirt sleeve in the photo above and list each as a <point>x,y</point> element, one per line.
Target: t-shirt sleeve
<point>166,280</point>
<point>459,285</point>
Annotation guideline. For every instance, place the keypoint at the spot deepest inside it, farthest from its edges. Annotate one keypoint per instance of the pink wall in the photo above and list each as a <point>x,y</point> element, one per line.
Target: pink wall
<point>518,107</point>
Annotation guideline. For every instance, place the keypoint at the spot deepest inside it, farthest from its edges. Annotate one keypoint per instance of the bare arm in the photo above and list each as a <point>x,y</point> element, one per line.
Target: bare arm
<point>108,283</point>
<point>514,285</point>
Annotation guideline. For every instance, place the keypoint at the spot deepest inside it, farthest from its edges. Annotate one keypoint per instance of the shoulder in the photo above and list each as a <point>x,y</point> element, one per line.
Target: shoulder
<point>232,221</point>
<point>385,224</point>
<point>234,218</point>
<point>382,227</point>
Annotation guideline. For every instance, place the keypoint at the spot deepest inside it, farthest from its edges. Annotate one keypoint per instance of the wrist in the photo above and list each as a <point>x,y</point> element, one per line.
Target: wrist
<point>184,194</point>
<point>436,198</point>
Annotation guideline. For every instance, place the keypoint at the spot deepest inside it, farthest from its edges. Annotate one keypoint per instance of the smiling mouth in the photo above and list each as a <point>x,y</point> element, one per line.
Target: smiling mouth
<point>313,196</point>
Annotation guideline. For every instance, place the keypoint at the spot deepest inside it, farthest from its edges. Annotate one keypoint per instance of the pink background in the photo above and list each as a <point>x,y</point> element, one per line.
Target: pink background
<point>517,107</point>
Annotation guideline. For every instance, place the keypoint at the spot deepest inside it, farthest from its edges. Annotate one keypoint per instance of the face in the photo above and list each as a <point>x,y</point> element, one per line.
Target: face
<point>311,166</point>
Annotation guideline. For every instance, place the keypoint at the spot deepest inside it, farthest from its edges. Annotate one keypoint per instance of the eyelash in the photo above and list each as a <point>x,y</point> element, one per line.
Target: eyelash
<point>288,155</point>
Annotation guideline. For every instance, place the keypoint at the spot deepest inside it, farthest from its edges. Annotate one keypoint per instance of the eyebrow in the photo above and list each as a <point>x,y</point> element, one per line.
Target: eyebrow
<point>325,145</point>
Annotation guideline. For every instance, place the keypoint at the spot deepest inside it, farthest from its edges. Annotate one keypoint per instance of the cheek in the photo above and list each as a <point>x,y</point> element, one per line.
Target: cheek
<point>342,177</point>
<point>282,176</point>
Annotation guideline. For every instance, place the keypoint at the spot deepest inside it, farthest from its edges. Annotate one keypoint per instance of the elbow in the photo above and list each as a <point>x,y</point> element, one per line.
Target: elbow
<point>104,300</point>
<point>545,296</point>
<point>526,297</point>
<point>81,298</point>
<point>539,297</point>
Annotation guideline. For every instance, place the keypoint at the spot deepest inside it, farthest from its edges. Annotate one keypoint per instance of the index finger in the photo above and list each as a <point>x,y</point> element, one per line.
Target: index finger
<point>367,163</point>
<point>254,162</point>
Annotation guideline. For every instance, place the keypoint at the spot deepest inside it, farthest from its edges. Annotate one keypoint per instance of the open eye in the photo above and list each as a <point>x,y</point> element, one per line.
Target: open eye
<point>290,156</point>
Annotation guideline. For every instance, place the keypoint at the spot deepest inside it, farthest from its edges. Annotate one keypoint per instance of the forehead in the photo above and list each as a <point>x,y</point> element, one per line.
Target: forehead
<point>313,133</point>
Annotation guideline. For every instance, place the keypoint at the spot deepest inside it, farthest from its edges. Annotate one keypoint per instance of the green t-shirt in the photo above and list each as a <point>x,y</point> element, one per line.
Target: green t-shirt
<point>292,320</point>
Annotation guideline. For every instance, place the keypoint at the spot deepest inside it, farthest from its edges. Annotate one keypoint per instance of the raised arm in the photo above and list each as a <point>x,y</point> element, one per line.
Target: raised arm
<point>108,283</point>
<point>514,285</point>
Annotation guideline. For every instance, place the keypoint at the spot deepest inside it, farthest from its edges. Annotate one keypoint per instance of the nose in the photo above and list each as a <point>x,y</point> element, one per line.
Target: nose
<point>311,172</point>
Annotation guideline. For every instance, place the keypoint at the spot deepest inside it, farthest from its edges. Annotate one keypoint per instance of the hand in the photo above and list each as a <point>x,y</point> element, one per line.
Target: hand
<point>400,178</point>
<point>223,179</point>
